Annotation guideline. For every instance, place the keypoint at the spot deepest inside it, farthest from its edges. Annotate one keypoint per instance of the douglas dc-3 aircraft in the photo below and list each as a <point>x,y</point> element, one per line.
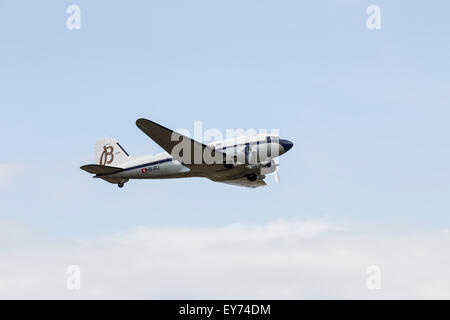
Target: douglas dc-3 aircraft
<point>243,161</point>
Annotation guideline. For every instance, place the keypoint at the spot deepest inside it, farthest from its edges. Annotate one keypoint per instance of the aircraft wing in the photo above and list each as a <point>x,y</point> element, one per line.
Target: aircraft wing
<point>169,139</point>
<point>243,182</point>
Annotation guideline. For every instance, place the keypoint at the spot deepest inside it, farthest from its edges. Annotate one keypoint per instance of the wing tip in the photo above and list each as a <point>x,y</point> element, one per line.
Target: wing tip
<point>140,121</point>
<point>145,124</point>
<point>85,168</point>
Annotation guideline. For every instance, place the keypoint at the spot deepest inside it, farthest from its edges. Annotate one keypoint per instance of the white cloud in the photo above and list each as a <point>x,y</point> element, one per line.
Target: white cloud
<point>276,260</point>
<point>7,172</point>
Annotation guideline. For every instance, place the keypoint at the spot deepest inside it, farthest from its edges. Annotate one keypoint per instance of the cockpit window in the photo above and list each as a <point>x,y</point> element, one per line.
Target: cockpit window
<point>269,140</point>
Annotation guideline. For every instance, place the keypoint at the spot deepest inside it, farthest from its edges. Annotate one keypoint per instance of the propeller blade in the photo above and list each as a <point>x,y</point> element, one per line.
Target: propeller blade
<point>277,177</point>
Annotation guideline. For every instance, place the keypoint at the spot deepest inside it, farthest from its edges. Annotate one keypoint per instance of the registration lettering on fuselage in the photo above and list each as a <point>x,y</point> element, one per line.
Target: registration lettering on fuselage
<point>149,169</point>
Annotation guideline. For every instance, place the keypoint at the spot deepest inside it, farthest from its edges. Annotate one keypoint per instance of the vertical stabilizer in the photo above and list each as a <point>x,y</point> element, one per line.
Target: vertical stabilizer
<point>108,152</point>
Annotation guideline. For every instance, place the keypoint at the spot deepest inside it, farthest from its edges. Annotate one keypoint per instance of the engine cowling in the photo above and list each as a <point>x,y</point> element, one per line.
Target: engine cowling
<point>268,167</point>
<point>254,155</point>
<point>238,155</point>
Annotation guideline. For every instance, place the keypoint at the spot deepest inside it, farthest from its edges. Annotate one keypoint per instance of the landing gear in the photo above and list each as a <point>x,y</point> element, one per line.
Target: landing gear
<point>120,184</point>
<point>252,177</point>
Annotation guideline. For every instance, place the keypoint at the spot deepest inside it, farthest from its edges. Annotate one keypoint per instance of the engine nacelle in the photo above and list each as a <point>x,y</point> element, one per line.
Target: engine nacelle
<point>268,167</point>
<point>253,154</point>
<point>237,155</point>
<point>262,169</point>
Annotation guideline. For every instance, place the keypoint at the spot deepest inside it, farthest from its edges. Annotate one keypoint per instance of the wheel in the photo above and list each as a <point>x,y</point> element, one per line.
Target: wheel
<point>120,184</point>
<point>228,165</point>
<point>252,177</point>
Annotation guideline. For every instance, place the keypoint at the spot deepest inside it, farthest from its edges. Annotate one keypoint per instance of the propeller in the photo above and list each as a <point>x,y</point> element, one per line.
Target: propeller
<point>271,168</point>
<point>277,176</point>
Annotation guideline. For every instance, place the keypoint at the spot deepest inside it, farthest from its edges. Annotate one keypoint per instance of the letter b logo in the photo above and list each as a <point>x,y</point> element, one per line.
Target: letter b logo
<point>107,156</point>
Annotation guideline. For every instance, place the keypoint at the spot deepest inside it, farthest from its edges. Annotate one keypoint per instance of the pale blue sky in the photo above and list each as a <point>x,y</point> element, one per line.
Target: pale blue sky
<point>368,111</point>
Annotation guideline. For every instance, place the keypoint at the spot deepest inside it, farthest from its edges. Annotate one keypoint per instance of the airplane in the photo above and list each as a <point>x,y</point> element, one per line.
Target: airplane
<point>242,161</point>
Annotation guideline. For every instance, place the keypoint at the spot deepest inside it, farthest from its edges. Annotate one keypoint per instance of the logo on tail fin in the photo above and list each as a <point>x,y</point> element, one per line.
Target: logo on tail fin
<point>107,156</point>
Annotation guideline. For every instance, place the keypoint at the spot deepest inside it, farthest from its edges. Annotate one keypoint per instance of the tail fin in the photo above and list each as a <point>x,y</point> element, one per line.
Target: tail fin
<point>108,152</point>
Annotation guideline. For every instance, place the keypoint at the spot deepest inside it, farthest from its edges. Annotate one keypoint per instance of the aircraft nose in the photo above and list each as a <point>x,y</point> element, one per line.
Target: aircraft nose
<point>286,144</point>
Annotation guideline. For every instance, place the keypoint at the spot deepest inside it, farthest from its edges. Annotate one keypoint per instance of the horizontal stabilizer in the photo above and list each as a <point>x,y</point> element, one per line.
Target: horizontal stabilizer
<point>98,169</point>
